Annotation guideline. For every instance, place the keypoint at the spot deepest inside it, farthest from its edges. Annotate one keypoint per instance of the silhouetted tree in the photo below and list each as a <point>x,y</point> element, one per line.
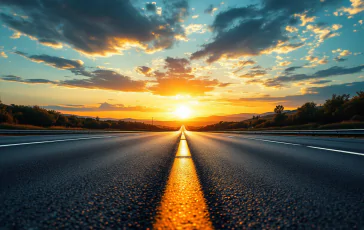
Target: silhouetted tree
<point>279,109</point>
<point>334,107</point>
<point>307,113</point>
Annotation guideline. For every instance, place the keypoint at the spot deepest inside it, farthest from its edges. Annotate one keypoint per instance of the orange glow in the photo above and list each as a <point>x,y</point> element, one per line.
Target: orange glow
<point>183,205</point>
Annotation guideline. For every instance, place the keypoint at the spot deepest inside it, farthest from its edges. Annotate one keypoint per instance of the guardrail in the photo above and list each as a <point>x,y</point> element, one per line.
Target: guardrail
<point>56,132</point>
<point>337,132</point>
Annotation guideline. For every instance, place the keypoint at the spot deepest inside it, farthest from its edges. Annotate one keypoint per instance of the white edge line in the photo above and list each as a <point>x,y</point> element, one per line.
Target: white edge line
<point>278,142</point>
<point>335,150</point>
<point>53,141</point>
<point>308,146</point>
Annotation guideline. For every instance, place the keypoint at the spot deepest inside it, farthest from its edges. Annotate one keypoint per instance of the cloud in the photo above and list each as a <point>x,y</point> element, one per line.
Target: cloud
<point>102,107</point>
<point>100,79</point>
<point>324,31</point>
<point>291,29</point>
<point>177,65</point>
<point>316,60</point>
<point>305,19</point>
<point>176,77</point>
<point>316,94</point>
<point>254,30</point>
<point>330,72</point>
<point>357,6</point>
<point>284,63</point>
<point>151,7</point>
<point>245,63</point>
<point>97,27</point>
<point>171,86</point>
<point>241,65</point>
<point>320,82</point>
<point>292,69</point>
<point>144,70</point>
<point>254,73</point>
<point>3,54</point>
<point>107,80</point>
<point>342,54</point>
<point>340,59</point>
<point>210,10</point>
<point>13,78</point>
<point>75,66</point>
<point>196,28</point>
<point>345,53</point>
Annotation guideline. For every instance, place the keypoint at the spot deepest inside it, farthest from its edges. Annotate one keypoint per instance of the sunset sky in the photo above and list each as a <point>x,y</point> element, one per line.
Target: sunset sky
<point>138,59</point>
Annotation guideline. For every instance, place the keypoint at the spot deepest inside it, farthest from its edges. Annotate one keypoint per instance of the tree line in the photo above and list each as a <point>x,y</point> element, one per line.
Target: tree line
<point>337,109</point>
<point>37,116</point>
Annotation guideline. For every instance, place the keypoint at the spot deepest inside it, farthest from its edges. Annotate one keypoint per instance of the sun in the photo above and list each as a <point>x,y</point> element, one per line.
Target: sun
<point>183,112</point>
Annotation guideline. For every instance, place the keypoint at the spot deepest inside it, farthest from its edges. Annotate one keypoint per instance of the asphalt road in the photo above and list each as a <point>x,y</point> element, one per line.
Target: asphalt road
<point>119,180</point>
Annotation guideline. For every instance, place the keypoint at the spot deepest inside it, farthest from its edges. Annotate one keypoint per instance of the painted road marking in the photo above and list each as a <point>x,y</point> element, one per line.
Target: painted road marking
<point>183,205</point>
<point>336,150</point>
<point>278,142</point>
<point>308,146</point>
<point>53,141</point>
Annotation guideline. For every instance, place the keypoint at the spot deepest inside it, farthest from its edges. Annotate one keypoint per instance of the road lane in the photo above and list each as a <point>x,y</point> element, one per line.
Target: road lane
<point>257,184</point>
<point>141,181</point>
<point>96,182</point>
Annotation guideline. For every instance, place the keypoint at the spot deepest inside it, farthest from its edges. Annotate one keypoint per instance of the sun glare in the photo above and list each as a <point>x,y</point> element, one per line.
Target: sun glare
<point>183,112</point>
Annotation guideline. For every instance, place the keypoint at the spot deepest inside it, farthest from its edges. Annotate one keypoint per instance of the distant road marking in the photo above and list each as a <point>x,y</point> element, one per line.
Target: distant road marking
<point>278,142</point>
<point>335,150</point>
<point>53,141</point>
<point>183,205</point>
<point>308,146</point>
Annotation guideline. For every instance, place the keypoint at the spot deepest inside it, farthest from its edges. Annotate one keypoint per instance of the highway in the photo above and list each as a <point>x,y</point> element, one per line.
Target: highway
<point>194,181</point>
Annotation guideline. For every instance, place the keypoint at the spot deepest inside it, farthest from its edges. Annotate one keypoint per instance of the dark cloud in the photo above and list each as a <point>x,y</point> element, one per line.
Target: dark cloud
<point>241,65</point>
<point>340,59</point>
<point>292,69</point>
<point>224,84</point>
<point>75,66</point>
<point>13,78</point>
<point>177,65</point>
<point>144,70</point>
<point>108,80</point>
<point>226,18</point>
<point>249,31</point>
<point>100,79</point>
<point>209,9</point>
<point>102,107</point>
<point>330,72</point>
<point>96,27</point>
<point>151,7</point>
<point>56,62</point>
<point>316,94</point>
<point>257,67</point>
<point>320,82</point>
<point>254,73</point>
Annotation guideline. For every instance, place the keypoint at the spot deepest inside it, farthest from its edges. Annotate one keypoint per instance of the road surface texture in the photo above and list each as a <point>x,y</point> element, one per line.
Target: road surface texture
<point>165,180</point>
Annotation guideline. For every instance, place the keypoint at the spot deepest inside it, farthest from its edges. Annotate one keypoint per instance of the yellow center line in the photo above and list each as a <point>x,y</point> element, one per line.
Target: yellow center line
<point>183,205</point>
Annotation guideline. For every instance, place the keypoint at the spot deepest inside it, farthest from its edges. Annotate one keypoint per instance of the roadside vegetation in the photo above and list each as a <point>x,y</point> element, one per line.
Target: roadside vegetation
<point>338,112</point>
<point>35,117</point>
